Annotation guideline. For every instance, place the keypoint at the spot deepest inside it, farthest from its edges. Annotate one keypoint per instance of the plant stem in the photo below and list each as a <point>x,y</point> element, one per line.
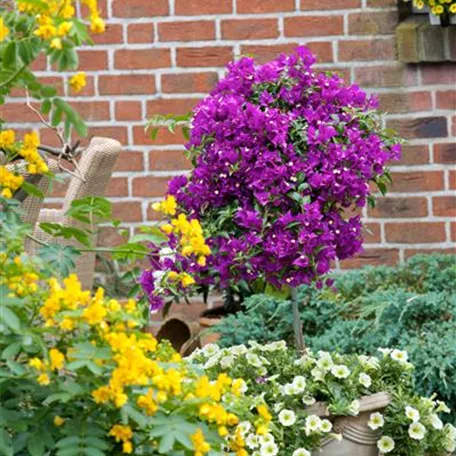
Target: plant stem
<point>297,323</point>
<point>13,76</point>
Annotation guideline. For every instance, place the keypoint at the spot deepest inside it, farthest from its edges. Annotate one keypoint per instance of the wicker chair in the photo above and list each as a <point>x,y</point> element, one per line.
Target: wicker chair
<point>96,164</point>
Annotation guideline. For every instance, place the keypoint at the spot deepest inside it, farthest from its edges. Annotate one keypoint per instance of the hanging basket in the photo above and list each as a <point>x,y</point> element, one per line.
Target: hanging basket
<point>358,439</point>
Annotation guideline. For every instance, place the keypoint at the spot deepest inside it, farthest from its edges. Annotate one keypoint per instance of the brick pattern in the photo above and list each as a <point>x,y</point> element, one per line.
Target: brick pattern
<point>163,56</point>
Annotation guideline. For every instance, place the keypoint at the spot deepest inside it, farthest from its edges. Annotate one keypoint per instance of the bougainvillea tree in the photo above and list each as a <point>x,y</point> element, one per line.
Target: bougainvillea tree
<point>283,157</point>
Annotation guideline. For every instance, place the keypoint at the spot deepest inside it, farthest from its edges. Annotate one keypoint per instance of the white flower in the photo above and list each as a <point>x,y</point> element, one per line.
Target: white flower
<point>318,374</point>
<point>253,359</point>
<point>385,351</point>
<point>313,424</point>
<point>287,417</point>
<point>412,414</point>
<point>308,400</point>
<point>450,431</point>
<point>450,438</point>
<point>417,431</point>
<point>278,406</point>
<point>267,438</point>
<point>340,371</point>
<point>275,346</point>
<point>238,350</point>
<point>365,380</point>
<point>436,422</point>
<point>242,385</point>
<point>370,362</point>
<point>211,349</point>
<point>226,362</point>
<point>353,408</point>
<point>211,362</point>
<point>376,421</point>
<point>325,362</point>
<point>252,441</point>
<point>386,444</point>
<point>326,426</point>
<point>301,452</point>
<point>299,384</point>
<point>442,407</point>
<point>288,389</point>
<point>167,253</point>
<point>399,356</point>
<point>269,449</point>
<point>244,427</point>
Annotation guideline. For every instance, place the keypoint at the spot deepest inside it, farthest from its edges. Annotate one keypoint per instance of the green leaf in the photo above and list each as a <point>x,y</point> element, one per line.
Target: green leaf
<point>166,443</point>
<point>35,445</point>
<point>10,318</point>
<point>31,189</point>
<point>46,106</point>
<point>59,257</point>
<point>136,416</point>
<point>9,58</point>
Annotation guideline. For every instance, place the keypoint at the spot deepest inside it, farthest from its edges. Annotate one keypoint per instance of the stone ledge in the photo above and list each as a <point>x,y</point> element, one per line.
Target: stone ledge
<point>419,41</point>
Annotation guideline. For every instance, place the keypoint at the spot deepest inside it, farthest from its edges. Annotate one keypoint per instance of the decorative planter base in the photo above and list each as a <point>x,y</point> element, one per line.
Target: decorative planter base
<point>358,439</point>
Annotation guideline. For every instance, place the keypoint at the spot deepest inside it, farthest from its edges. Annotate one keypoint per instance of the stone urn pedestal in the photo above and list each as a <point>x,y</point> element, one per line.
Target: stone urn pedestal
<point>358,439</point>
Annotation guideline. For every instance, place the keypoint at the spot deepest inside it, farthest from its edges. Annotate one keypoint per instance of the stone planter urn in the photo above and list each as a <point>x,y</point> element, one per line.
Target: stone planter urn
<point>358,438</point>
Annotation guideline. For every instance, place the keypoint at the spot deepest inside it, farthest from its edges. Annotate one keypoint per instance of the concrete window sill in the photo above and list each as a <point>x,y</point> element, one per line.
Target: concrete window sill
<point>419,41</point>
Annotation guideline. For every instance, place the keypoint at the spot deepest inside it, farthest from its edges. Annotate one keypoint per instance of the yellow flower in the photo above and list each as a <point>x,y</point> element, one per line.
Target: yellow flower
<point>419,4</point>
<point>453,8</point>
<point>43,379</point>
<point>127,447</point>
<point>199,443</point>
<point>168,206</point>
<point>56,43</point>
<point>6,193</point>
<point>67,324</point>
<point>59,421</point>
<point>57,359</point>
<point>4,30</point>
<point>97,24</point>
<point>101,395</point>
<point>78,81</point>
<point>187,280</point>
<point>7,137</point>
<point>31,140</point>
<point>64,28</point>
<point>264,412</point>
<point>121,432</point>
<point>437,10</point>
<point>95,313</point>
<point>37,364</point>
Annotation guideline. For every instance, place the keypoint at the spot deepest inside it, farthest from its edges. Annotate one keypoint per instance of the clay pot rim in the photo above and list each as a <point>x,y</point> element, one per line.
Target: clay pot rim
<point>206,321</point>
<point>377,401</point>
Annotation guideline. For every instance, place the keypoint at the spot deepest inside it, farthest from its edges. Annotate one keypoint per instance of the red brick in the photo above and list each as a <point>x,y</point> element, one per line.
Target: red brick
<point>371,233</point>
<point>264,6</point>
<point>132,84</point>
<point>446,99</point>
<point>408,253</point>
<point>92,110</point>
<point>109,237</point>
<point>189,82</point>
<point>140,8</point>
<point>372,257</point>
<point>128,110</point>
<point>93,60</point>
<point>18,112</point>
<point>445,153</point>
<point>453,231</point>
<point>112,35</point>
<point>414,155</point>
<point>394,102</point>
<point>118,133</point>
<point>150,186</point>
<point>453,125</point>
<point>399,207</point>
<point>416,232</point>
<point>142,59</point>
<point>204,56</point>
<point>314,25</point>
<point>420,127</point>
<point>118,186</point>
<point>127,211</point>
<point>247,29</point>
<point>39,64</point>
<point>59,188</point>
<point>264,53</point>
<point>174,106</point>
<point>342,72</point>
<point>317,5</point>
<point>452,179</point>
<point>140,137</point>
<point>55,81</point>
<point>375,23</point>
<point>385,76</point>
<point>130,161</point>
<point>186,31</point>
<point>168,160</point>
<point>444,206</point>
<point>442,73</point>
<point>192,8</point>
<point>427,181</point>
<point>141,33</point>
<point>360,50</point>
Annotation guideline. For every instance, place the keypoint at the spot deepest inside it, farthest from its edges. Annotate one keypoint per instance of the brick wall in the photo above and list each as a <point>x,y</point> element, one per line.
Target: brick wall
<point>162,56</point>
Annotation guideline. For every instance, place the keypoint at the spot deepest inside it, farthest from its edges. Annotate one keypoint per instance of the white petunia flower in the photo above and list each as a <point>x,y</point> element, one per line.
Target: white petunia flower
<point>376,421</point>
<point>308,400</point>
<point>417,431</point>
<point>278,406</point>
<point>252,441</point>
<point>299,384</point>
<point>238,350</point>
<point>365,380</point>
<point>318,374</point>
<point>211,349</point>
<point>442,407</point>
<point>287,417</point>
<point>167,253</point>
<point>301,452</point>
<point>313,424</point>
<point>326,426</point>
<point>412,414</point>
<point>450,438</point>
<point>275,346</point>
<point>353,408</point>
<point>325,363</point>
<point>288,389</point>
<point>269,449</point>
<point>265,439</point>
<point>211,362</point>
<point>253,359</point>
<point>436,422</point>
<point>399,356</point>
<point>386,444</point>
<point>385,351</point>
<point>244,427</point>
<point>226,362</point>
<point>340,371</point>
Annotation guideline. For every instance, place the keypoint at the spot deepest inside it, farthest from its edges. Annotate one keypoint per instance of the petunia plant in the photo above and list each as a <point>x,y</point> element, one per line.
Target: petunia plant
<point>283,159</point>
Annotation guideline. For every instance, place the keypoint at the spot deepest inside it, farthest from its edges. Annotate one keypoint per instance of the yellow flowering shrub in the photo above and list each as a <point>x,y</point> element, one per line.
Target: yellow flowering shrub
<point>437,7</point>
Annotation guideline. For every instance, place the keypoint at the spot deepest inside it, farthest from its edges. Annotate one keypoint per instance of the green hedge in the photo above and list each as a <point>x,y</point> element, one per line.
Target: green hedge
<point>411,307</point>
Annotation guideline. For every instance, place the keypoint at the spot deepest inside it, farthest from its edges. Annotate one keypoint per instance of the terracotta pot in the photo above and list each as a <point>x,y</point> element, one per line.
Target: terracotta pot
<point>207,334</point>
<point>183,334</point>
<point>358,438</point>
